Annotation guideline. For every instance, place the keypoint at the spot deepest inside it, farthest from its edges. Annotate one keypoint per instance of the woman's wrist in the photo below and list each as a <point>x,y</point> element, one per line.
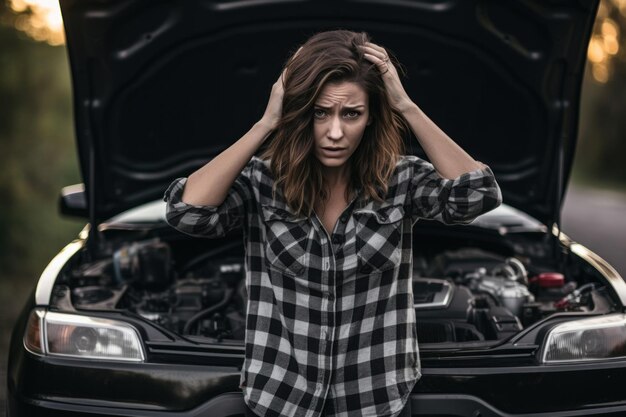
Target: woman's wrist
<point>409,109</point>
<point>265,127</point>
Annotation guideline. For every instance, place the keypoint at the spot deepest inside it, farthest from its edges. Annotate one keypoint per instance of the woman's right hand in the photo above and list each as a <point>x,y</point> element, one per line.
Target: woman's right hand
<point>274,107</point>
<point>210,185</point>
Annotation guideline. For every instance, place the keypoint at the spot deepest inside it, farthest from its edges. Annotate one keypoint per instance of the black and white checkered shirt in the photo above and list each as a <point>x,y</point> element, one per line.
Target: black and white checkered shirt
<point>330,326</point>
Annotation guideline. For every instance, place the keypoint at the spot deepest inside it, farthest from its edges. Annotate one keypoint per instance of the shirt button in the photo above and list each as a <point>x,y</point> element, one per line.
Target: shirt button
<point>343,219</point>
<point>326,265</point>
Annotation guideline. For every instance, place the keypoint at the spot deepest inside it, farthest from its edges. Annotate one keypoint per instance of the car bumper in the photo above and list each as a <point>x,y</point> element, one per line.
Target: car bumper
<point>43,386</point>
<point>224,405</point>
<point>232,404</point>
<point>467,405</point>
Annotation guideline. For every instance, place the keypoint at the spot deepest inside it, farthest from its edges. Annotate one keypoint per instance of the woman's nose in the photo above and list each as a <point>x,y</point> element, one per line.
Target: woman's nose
<point>335,130</point>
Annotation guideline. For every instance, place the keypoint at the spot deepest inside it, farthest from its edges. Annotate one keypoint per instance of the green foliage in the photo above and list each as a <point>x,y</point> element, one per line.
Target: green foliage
<point>37,155</point>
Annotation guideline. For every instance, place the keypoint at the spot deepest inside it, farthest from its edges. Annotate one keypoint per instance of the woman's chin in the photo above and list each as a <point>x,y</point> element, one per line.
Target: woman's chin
<point>332,162</point>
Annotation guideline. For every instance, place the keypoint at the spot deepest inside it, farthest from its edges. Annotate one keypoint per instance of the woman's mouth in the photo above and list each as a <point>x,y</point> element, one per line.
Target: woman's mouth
<point>332,150</point>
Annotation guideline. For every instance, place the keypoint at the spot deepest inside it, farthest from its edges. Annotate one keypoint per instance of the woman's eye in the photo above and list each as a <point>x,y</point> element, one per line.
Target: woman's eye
<point>318,114</point>
<point>353,114</point>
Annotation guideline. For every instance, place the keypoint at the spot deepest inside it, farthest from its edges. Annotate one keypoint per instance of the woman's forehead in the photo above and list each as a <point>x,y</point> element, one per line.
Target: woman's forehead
<point>344,93</point>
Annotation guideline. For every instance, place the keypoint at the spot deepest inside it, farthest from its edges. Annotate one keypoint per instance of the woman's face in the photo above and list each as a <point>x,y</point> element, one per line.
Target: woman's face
<point>340,115</point>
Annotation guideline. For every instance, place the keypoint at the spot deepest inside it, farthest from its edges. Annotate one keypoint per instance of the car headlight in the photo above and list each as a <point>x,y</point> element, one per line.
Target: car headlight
<point>70,335</point>
<point>589,339</point>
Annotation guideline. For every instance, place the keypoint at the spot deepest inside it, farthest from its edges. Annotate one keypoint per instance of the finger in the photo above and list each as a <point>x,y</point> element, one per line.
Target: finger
<point>380,55</point>
<point>282,74</point>
<point>376,47</point>
<point>281,78</point>
<point>377,59</point>
<point>382,65</point>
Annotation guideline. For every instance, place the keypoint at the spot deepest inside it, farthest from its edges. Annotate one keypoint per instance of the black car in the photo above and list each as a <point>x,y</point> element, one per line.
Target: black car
<point>136,319</point>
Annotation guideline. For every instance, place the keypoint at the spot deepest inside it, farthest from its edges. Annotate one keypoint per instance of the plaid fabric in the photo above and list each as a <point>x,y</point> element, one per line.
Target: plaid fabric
<point>330,327</point>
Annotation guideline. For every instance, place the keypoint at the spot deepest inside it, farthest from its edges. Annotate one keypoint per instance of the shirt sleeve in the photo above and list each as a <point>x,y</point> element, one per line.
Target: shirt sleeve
<point>452,201</point>
<point>209,221</point>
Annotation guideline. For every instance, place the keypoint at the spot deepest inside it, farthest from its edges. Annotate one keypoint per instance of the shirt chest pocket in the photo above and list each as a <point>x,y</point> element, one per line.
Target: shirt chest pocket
<point>378,238</point>
<point>286,240</point>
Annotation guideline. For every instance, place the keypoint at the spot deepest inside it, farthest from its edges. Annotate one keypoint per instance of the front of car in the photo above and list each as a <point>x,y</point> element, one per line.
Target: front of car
<point>135,318</point>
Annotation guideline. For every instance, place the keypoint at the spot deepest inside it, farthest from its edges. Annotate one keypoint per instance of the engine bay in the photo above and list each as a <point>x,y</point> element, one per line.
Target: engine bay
<point>461,294</point>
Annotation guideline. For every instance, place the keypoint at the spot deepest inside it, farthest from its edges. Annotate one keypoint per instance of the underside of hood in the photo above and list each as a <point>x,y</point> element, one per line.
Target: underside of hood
<point>161,87</point>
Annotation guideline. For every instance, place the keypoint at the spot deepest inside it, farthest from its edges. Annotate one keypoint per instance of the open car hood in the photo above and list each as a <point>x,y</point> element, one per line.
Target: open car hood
<point>161,87</point>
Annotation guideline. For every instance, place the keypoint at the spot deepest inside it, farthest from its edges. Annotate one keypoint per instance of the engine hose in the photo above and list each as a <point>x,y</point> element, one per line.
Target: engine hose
<point>228,294</point>
<point>522,274</point>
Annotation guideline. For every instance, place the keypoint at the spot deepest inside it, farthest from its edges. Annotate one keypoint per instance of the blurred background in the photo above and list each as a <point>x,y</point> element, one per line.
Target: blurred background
<point>38,157</point>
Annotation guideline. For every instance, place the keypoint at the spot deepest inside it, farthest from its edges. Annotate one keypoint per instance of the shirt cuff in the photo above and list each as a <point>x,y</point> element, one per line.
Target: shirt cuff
<point>174,197</point>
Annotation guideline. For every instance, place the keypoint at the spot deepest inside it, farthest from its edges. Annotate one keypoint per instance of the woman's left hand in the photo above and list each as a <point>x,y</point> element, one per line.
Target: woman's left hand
<point>398,98</point>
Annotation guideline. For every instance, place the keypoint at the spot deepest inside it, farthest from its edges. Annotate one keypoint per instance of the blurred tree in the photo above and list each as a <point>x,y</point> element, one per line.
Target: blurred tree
<point>37,149</point>
<point>40,19</point>
<point>602,138</point>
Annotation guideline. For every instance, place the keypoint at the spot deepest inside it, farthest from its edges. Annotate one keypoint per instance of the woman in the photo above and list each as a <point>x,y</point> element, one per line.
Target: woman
<point>327,213</point>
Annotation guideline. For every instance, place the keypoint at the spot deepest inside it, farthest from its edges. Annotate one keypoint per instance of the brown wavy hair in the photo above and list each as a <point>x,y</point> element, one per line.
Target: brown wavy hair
<point>330,57</point>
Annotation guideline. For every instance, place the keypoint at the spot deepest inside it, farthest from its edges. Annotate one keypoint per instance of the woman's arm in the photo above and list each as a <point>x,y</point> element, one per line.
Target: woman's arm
<point>448,158</point>
<point>454,188</point>
<point>209,185</point>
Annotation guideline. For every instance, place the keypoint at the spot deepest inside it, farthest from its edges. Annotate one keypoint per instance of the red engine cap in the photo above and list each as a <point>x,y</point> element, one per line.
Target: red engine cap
<point>549,279</point>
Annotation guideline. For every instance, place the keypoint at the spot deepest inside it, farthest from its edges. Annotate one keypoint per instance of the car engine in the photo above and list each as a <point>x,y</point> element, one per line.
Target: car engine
<point>460,295</point>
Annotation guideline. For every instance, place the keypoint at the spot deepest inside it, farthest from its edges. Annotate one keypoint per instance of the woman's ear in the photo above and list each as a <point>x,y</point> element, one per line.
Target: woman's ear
<point>369,121</point>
